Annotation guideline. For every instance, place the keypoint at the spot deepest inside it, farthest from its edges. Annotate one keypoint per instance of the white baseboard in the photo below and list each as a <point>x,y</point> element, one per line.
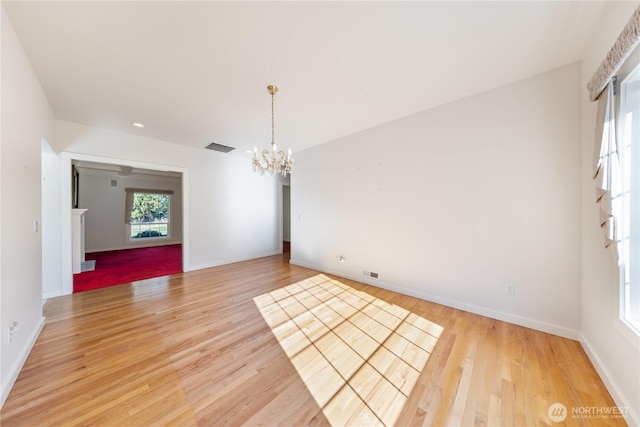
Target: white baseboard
<point>52,294</point>
<point>230,261</point>
<point>631,417</point>
<point>17,366</point>
<point>475,309</point>
<point>136,245</point>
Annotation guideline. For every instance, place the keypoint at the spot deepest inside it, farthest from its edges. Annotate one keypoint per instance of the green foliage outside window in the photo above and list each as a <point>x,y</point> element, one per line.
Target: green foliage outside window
<point>149,215</point>
<point>150,208</point>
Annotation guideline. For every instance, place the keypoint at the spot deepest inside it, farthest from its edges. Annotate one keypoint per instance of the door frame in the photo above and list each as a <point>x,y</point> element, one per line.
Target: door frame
<point>65,168</point>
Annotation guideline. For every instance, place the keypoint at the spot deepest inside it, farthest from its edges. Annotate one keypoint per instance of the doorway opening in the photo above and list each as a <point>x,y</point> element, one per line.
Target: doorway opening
<point>286,218</point>
<point>118,202</point>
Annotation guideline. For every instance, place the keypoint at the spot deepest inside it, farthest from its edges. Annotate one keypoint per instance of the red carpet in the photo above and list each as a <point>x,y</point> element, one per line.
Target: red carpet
<point>129,265</point>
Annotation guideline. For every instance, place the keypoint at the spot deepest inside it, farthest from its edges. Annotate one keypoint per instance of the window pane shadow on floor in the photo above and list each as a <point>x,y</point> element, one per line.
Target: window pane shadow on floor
<point>359,356</point>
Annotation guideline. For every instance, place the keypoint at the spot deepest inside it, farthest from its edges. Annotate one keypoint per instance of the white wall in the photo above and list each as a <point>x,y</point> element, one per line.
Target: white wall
<point>51,220</point>
<point>26,119</point>
<point>614,349</point>
<point>231,212</point>
<point>105,229</point>
<point>453,203</point>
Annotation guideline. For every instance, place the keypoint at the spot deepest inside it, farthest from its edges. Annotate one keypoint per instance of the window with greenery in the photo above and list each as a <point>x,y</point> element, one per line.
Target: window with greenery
<point>148,213</point>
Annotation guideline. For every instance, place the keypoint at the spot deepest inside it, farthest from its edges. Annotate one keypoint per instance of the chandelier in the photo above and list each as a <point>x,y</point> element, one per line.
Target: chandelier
<point>272,161</point>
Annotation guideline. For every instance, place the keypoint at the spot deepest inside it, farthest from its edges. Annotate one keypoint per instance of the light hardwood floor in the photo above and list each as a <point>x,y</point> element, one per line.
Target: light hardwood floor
<point>263,342</point>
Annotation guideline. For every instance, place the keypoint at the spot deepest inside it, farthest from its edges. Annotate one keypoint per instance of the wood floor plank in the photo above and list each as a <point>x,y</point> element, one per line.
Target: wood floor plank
<point>264,342</point>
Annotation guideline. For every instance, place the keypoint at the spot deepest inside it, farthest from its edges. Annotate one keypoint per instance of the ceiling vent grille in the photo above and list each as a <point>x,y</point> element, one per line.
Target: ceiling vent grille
<point>219,147</point>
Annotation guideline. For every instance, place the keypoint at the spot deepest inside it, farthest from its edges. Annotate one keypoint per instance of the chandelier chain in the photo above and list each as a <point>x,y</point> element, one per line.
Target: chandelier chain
<point>273,119</point>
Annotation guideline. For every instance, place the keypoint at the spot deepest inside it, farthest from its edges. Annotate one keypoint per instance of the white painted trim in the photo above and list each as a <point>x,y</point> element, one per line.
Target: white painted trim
<point>156,242</point>
<point>52,294</point>
<point>280,215</point>
<point>19,363</point>
<point>631,417</point>
<point>185,219</point>
<point>231,261</point>
<point>65,224</point>
<point>482,311</point>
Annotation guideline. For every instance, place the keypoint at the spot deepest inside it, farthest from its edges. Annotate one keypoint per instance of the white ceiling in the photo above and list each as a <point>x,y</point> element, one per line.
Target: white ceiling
<point>196,72</point>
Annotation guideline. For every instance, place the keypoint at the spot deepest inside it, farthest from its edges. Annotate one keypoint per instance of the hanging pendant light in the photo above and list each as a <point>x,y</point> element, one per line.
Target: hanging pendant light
<point>272,161</point>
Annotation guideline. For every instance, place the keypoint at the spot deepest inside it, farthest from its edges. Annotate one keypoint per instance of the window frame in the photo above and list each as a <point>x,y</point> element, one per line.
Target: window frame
<point>628,142</point>
<point>129,224</point>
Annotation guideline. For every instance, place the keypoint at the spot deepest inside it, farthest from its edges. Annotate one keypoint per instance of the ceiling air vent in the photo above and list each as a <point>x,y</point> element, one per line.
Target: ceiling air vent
<point>219,147</point>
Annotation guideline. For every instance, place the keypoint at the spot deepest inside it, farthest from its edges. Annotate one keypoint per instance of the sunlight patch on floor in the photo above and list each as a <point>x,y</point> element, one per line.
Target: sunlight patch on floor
<point>358,355</point>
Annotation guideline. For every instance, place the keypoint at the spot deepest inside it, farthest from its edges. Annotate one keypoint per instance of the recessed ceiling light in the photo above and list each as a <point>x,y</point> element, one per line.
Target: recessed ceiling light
<point>137,125</point>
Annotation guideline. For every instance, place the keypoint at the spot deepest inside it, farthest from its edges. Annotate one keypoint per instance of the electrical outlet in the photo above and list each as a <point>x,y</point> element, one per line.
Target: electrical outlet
<point>510,289</point>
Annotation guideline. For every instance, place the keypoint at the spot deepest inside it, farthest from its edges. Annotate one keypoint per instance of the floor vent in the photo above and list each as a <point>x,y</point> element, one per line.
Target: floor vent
<point>219,147</point>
